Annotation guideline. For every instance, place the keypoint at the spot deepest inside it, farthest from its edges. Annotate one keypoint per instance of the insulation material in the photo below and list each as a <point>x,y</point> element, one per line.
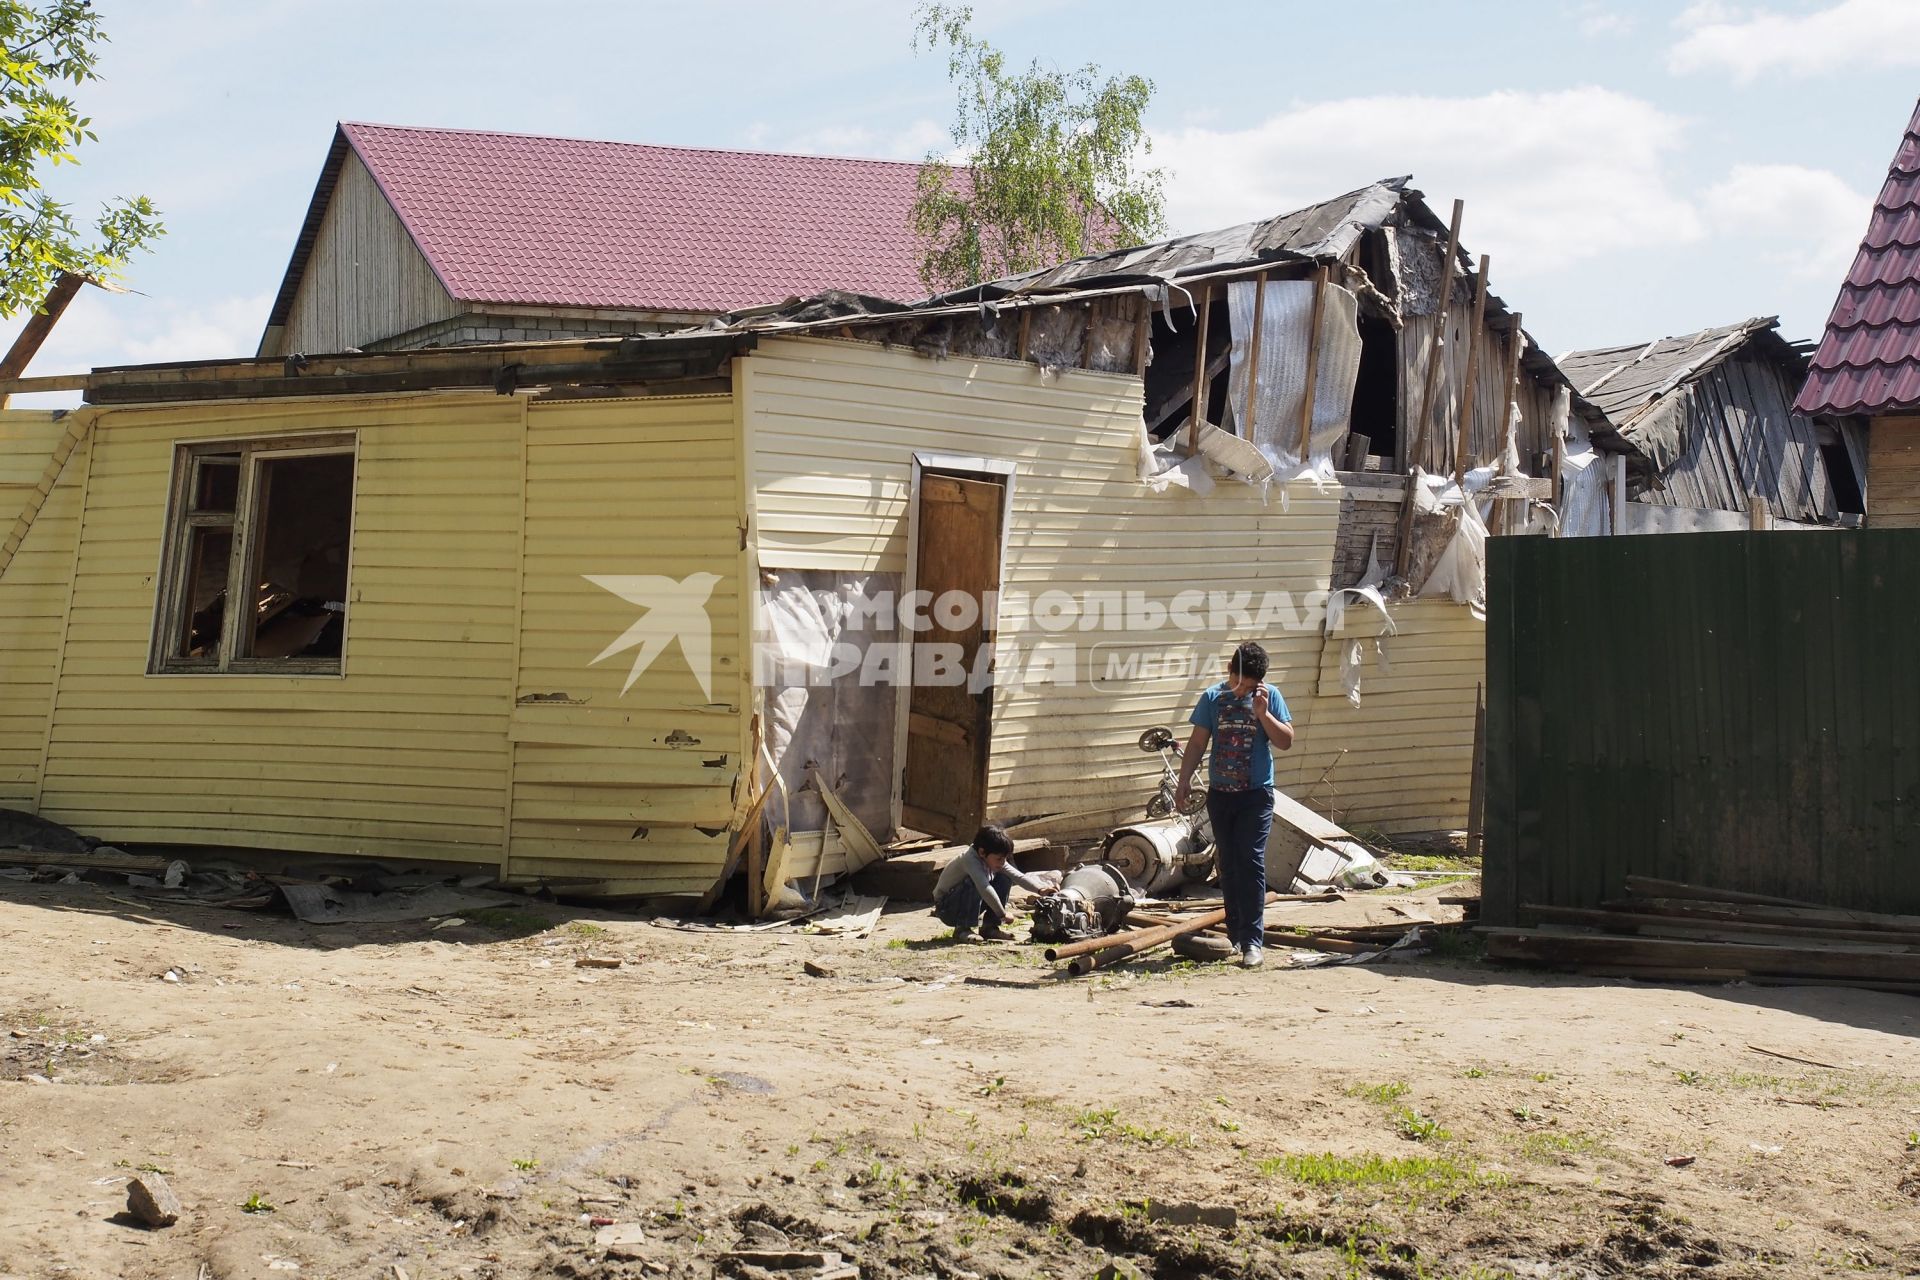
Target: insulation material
<point>1056,336</point>
<point>1460,572</point>
<point>1286,321</point>
<point>818,714</point>
<point>1369,590</point>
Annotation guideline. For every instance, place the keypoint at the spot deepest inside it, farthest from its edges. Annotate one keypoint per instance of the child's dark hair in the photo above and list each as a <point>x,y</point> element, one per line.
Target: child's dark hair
<point>1249,660</point>
<point>993,838</point>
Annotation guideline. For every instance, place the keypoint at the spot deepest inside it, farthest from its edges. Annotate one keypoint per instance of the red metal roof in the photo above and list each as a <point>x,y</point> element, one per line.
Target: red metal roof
<point>1869,359</point>
<point>563,222</point>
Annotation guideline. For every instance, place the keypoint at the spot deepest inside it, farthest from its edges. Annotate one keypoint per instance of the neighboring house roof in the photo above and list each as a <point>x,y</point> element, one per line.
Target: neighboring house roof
<point>563,222</point>
<point>1627,383</point>
<point>1869,360</point>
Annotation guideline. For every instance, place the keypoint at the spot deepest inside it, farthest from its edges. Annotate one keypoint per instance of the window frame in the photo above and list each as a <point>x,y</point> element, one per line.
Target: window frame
<point>183,521</point>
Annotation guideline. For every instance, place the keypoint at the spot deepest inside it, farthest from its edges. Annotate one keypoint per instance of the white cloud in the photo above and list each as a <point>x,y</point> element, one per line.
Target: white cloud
<point>1748,43</point>
<point>1549,178</point>
<point>1807,222</point>
<point>1596,20</point>
<point>102,329</point>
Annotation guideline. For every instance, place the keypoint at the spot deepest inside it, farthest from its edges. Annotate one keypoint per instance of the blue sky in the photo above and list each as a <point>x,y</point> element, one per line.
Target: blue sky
<point>1634,169</point>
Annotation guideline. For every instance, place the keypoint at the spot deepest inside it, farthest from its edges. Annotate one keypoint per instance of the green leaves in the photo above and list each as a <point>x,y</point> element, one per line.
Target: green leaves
<point>1045,164</point>
<point>40,46</point>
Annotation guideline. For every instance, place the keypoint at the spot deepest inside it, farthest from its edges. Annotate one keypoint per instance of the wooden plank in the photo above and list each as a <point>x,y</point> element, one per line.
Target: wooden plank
<point>1464,444</point>
<point>1761,913</point>
<point>1313,360</point>
<point>1253,352</point>
<point>1545,946</point>
<point>1654,887</point>
<point>1430,384</point>
<point>1200,375</point>
<point>1716,930</point>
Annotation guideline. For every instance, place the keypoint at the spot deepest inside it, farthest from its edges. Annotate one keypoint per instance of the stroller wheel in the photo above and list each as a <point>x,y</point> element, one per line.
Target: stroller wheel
<point>1156,740</point>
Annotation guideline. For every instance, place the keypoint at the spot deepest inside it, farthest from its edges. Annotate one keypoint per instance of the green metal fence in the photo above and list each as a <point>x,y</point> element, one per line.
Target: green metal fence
<point>1734,709</point>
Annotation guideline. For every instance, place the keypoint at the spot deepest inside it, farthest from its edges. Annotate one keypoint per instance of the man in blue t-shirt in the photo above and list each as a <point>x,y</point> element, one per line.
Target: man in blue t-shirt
<point>1245,719</point>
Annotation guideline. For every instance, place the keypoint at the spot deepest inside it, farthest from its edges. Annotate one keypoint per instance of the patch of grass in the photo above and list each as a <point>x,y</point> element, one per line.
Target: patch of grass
<point>1552,1147</point>
<point>587,929</point>
<point>1096,1124</point>
<point>1541,1077</point>
<point>257,1203</point>
<point>1417,1127</point>
<point>1457,944</point>
<point>1433,862</point>
<point>993,1086</point>
<point>1690,1077</point>
<point>896,944</point>
<point>511,920</point>
<point>1526,1115</point>
<point>1434,1173</point>
<point>1391,1091</point>
<point>526,1164</point>
<point>1475,1073</point>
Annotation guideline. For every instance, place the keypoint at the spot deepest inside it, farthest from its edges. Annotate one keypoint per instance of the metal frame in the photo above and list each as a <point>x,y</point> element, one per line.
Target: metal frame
<point>170,603</point>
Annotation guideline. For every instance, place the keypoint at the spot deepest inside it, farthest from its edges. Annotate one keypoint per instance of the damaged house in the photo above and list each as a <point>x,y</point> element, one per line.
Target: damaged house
<point>1706,436</point>
<point>603,613</point>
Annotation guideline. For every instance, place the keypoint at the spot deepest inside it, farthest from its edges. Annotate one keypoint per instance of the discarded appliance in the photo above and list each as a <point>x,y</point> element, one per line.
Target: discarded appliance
<point>1092,901</point>
<point>1171,849</point>
<point>1306,852</point>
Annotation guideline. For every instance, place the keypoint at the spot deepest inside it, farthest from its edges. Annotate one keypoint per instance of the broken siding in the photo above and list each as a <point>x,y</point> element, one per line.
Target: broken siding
<point>404,755</point>
<point>365,279</point>
<point>1893,473</point>
<point>33,587</point>
<point>833,427</point>
<point>634,787</point>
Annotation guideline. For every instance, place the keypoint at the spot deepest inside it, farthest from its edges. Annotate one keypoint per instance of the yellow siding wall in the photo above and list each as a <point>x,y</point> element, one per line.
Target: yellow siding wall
<point>1893,473</point>
<point>407,754</point>
<point>634,788</point>
<point>33,585</point>
<point>832,430</point>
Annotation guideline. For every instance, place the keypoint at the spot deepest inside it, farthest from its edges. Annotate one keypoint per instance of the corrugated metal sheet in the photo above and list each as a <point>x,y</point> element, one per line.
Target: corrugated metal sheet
<point>1869,360</point>
<point>832,428</point>
<point>634,786</point>
<point>33,591</point>
<point>404,756</point>
<point>1733,709</point>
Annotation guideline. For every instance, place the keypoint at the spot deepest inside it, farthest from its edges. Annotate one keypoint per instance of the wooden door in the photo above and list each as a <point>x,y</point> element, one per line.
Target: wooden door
<point>950,726</point>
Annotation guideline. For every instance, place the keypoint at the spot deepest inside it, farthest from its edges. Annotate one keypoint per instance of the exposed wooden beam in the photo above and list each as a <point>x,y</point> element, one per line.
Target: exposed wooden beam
<point>1464,440</point>
<point>1313,361</point>
<point>1253,349</point>
<point>27,344</point>
<point>1200,375</point>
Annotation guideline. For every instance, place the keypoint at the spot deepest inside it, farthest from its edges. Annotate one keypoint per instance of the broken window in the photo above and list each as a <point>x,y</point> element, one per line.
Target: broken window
<point>270,523</point>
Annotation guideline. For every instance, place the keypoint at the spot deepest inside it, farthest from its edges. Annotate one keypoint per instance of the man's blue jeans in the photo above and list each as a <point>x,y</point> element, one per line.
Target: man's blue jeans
<point>962,906</point>
<point>1241,821</point>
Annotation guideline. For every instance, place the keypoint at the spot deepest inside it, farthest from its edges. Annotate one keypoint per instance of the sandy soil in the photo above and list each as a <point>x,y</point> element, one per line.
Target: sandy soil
<point>467,1102</point>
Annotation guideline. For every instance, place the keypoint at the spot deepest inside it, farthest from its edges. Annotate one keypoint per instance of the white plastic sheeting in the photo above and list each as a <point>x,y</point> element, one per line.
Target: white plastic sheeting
<point>1369,590</point>
<point>1286,319</point>
<point>843,728</point>
<point>1461,572</point>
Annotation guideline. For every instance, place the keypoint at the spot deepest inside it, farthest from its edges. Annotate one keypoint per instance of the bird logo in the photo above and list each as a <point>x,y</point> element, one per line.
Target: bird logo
<point>676,609</point>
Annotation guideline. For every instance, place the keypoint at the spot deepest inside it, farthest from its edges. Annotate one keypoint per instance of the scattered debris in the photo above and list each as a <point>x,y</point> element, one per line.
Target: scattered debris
<point>152,1202</point>
<point>597,962</point>
<point>1680,1162</point>
<point>621,1240</point>
<point>1667,931</point>
<point>814,969</point>
<point>855,917</point>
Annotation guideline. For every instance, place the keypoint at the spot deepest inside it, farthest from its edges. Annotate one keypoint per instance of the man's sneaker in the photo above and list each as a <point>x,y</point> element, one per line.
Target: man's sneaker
<point>1251,957</point>
<point>994,933</point>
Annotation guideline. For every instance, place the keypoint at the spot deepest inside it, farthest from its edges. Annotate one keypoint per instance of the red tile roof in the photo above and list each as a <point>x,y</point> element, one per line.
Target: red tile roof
<point>1869,360</point>
<point>563,222</point>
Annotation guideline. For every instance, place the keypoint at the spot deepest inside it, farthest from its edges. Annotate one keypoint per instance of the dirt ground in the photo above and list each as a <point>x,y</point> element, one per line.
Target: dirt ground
<point>406,1101</point>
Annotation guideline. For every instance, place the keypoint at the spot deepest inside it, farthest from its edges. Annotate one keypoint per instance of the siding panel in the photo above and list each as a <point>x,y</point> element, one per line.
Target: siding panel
<point>638,786</point>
